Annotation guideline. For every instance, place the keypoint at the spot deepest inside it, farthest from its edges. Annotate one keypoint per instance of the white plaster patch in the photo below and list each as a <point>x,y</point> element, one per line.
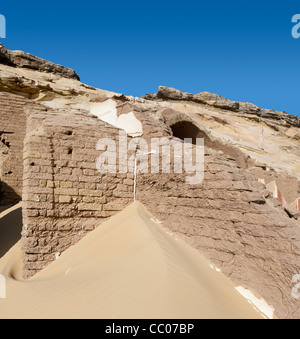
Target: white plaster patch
<point>157,222</point>
<point>130,124</point>
<point>215,268</point>
<point>107,112</point>
<point>272,187</point>
<point>260,305</point>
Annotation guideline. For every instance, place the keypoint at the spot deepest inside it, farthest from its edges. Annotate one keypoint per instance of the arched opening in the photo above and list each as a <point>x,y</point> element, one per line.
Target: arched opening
<point>186,129</point>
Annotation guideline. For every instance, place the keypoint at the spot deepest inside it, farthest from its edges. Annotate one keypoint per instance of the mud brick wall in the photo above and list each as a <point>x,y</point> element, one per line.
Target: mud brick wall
<point>227,219</point>
<point>64,195</point>
<point>12,133</point>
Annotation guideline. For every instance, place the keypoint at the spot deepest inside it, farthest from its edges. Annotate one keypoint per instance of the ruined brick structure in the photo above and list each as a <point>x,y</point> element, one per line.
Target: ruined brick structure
<point>48,159</point>
<point>64,195</point>
<point>13,117</point>
<point>226,217</point>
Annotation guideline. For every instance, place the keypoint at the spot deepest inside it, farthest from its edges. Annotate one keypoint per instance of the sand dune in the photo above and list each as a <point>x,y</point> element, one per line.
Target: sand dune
<point>130,267</point>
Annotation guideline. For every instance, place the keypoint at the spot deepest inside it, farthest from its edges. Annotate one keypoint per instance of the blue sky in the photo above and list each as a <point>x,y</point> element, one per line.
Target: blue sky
<point>242,50</point>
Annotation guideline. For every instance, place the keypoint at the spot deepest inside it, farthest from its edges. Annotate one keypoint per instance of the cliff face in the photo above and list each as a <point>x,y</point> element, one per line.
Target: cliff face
<point>270,137</point>
<point>242,216</point>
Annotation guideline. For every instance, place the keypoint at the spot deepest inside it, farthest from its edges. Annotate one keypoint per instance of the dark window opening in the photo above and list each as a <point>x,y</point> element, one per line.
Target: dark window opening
<point>186,129</point>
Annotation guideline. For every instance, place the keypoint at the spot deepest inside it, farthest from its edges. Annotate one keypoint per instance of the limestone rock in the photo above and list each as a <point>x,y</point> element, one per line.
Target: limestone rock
<point>25,60</point>
<point>292,211</point>
<point>172,93</point>
<point>262,134</point>
<point>216,100</point>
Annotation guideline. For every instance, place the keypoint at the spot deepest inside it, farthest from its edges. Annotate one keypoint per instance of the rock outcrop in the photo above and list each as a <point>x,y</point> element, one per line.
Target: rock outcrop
<point>217,101</point>
<point>25,60</point>
<point>271,138</point>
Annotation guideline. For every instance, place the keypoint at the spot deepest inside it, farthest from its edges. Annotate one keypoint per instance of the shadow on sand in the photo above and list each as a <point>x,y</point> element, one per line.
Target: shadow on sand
<point>10,230</point>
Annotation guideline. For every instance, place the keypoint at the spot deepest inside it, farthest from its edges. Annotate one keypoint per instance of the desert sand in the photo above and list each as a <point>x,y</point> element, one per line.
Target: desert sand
<point>130,267</point>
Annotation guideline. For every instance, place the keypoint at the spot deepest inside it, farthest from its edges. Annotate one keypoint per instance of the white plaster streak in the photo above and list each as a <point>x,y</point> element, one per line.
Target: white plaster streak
<point>213,267</point>
<point>2,287</point>
<point>259,304</point>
